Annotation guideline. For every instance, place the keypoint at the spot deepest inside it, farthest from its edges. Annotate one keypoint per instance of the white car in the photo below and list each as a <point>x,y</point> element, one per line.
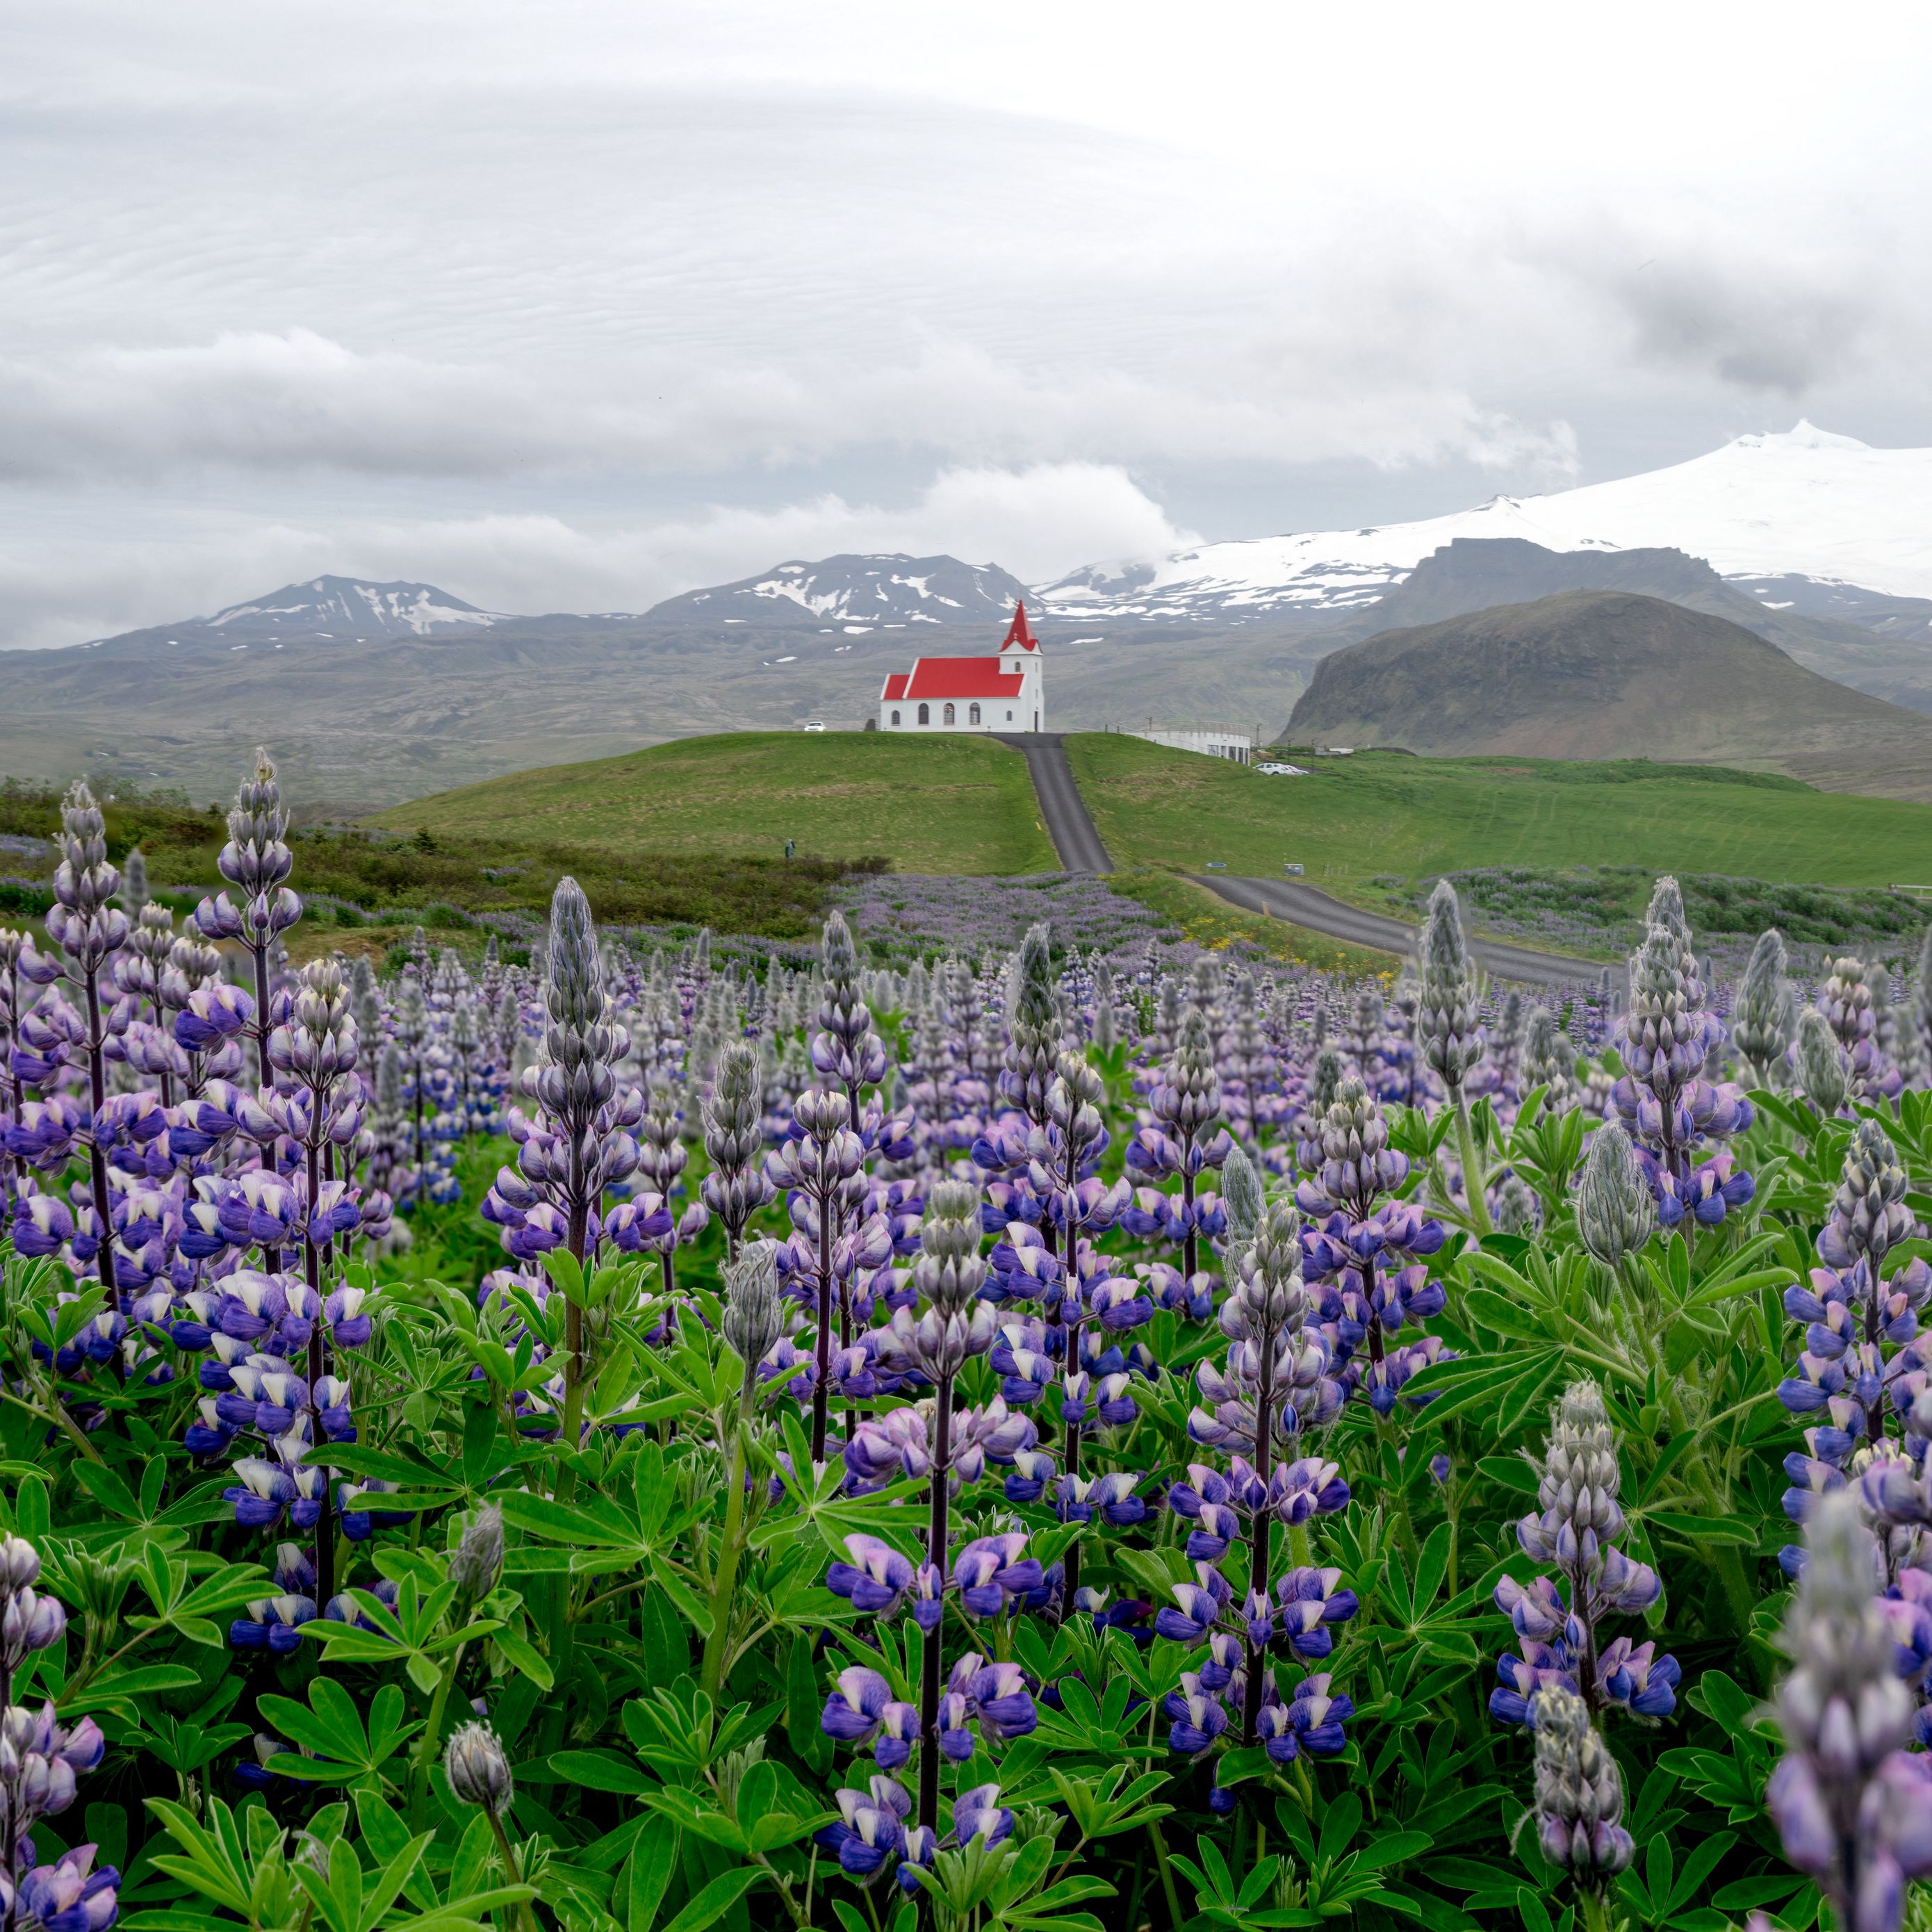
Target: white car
<point>817,725</point>
<point>1275,769</point>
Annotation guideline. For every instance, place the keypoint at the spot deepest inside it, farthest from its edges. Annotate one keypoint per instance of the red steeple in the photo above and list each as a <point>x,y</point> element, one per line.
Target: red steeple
<point>1018,632</point>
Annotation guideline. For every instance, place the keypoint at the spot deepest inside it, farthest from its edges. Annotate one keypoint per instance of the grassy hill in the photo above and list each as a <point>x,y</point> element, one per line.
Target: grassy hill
<point>930,805</point>
<point>1385,812</point>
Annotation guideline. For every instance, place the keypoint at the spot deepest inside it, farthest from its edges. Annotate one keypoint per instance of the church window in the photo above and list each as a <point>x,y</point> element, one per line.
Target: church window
<point>926,714</point>
<point>948,714</point>
<point>895,717</point>
<point>973,716</point>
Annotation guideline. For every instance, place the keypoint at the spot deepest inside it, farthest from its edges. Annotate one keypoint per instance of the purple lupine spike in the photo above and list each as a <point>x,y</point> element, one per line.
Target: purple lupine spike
<point>1577,1487</point>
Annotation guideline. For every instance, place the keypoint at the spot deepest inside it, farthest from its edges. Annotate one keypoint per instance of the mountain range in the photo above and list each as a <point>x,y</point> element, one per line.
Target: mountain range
<point>376,692</point>
<point>1804,503</point>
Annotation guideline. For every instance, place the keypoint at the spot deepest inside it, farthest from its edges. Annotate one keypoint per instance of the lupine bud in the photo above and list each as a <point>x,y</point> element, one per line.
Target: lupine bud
<point>1868,1216</point>
<point>1616,1212</point>
<point>1921,996</point>
<point>19,1564</point>
<point>134,883</point>
<point>1763,1017</point>
<point>1188,1095</point>
<point>478,1770</point>
<point>1823,1077</point>
<point>1579,1791</point>
<point>1447,1032</point>
<point>752,1312</point>
<point>1033,1026</point>
<point>1549,1061</point>
<point>950,1270</point>
<point>82,921</point>
<point>736,1186</point>
<point>1241,1201</point>
<point>477,1560</point>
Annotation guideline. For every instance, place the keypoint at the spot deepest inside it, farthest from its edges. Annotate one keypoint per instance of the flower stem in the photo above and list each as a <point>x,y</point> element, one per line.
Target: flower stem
<point>507,1852</point>
<point>731,1549</point>
<point>1472,1167</point>
<point>432,1740</point>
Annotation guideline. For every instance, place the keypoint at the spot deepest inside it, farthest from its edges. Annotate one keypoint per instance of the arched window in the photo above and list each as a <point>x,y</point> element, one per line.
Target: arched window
<point>895,717</point>
<point>926,714</point>
<point>973,716</point>
<point>948,714</point>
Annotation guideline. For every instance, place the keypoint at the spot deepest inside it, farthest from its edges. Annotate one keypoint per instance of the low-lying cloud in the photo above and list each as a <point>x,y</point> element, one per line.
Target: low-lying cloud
<point>284,404</point>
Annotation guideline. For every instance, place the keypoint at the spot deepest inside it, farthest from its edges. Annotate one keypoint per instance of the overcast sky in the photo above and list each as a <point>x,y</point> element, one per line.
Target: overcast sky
<point>571,306</point>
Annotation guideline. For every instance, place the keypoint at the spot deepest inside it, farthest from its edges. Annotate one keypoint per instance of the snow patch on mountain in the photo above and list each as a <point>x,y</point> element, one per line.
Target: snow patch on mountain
<point>356,609</point>
<point>1804,503</point>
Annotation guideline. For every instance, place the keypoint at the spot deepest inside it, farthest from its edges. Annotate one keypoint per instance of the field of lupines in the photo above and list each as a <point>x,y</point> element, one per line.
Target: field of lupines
<point>1041,1440</point>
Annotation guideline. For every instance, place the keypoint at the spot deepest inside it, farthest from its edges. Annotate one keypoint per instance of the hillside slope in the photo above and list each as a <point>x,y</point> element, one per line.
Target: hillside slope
<point>1607,674</point>
<point>1351,820</point>
<point>930,805</point>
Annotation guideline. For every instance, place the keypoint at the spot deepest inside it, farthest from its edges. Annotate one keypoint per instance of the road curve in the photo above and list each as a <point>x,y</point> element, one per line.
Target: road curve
<point>1068,824</point>
<point>1306,905</point>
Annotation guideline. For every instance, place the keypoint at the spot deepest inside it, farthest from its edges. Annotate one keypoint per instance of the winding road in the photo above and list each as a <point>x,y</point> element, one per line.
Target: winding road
<point>1306,905</point>
<point>1068,824</point>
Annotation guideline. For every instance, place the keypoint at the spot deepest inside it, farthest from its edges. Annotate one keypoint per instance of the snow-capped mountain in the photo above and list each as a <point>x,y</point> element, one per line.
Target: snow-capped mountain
<point>855,591</point>
<point>344,609</point>
<point>1802,505</point>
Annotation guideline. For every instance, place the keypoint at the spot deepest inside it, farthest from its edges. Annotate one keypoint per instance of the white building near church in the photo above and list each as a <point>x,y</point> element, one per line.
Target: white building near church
<point>1006,692</point>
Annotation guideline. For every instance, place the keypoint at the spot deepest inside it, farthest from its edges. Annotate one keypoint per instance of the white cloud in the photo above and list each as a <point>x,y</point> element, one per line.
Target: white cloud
<point>534,263</point>
<point>299,402</point>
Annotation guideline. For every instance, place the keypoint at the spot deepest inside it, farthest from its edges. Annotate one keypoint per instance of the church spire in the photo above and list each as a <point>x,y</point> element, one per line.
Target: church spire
<point>1019,635</point>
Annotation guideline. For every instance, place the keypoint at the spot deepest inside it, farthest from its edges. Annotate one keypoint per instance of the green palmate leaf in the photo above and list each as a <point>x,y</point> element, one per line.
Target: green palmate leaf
<point>1703,1529</point>
<point>648,1876</point>
<point>598,1771</point>
<point>1512,1472</point>
<point>715,1900</point>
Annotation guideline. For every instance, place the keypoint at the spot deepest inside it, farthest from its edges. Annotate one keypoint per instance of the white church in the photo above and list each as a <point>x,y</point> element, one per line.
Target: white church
<point>1005,692</point>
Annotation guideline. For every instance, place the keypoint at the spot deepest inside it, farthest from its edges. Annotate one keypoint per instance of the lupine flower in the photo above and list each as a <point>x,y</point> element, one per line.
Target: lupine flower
<point>1853,1807</point>
<point>736,1186</point>
<point>870,1831</point>
<point>1573,1530</point>
<point>1670,1110</point>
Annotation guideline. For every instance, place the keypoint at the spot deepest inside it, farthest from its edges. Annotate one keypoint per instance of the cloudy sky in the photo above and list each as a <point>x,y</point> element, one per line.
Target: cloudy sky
<point>573,306</point>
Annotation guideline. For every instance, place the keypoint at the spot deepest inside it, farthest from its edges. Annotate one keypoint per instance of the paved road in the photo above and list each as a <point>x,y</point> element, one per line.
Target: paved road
<point>1069,824</point>
<point>1306,905</point>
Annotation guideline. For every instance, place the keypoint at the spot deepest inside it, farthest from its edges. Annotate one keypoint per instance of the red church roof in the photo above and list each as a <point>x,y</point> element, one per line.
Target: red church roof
<point>952,677</point>
<point>1018,635</point>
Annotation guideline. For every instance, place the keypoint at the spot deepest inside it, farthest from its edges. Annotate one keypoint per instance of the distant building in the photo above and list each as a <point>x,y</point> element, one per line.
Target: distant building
<point>1231,743</point>
<point>1004,692</point>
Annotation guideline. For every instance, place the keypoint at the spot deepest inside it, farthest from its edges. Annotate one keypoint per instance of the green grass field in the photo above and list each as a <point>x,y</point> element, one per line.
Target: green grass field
<point>931,805</point>
<point>1387,813</point>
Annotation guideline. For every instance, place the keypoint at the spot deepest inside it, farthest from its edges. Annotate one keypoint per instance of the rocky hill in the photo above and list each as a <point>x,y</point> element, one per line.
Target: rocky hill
<point>1612,674</point>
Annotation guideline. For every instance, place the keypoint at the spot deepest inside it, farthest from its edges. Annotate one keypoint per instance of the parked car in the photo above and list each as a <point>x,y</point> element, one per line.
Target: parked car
<point>817,725</point>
